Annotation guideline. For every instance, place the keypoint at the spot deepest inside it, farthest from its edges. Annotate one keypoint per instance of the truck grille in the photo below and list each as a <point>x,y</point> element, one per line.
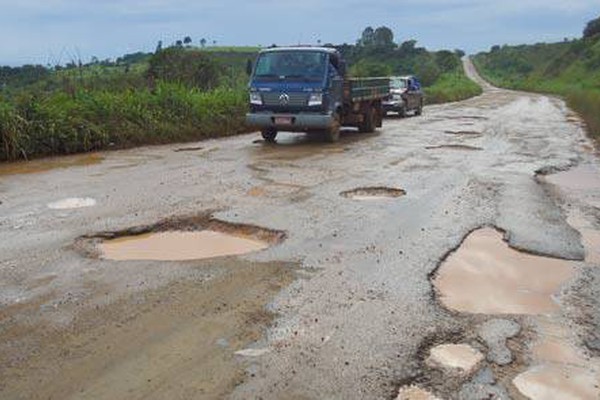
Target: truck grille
<point>295,99</point>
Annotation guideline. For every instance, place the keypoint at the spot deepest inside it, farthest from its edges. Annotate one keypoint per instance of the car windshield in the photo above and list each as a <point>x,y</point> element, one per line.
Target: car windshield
<point>291,65</point>
<point>398,83</point>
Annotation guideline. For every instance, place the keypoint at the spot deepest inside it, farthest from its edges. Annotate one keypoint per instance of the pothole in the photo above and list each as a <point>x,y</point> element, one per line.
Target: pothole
<point>47,164</point>
<point>557,382</point>
<point>454,147</point>
<point>187,149</point>
<point>486,276</point>
<point>581,177</point>
<point>181,239</point>
<point>460,359</point>
<point>415,393</point>
<point>373,193</point>
<point>72,203</point>
<point>463,133</point>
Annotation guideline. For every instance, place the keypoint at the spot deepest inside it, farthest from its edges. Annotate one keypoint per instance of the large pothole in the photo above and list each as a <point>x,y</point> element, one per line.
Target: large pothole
<point>373,193</point>
<point>486,276</point>
<point>181,239</point>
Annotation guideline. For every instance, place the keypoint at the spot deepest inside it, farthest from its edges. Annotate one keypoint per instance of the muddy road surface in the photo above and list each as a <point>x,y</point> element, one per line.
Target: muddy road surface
<point>453,256</point>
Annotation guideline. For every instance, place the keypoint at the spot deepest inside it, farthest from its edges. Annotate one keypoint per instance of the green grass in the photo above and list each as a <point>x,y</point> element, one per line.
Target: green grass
<point>451,86</point>
<point>93,120</point>
<point>569,69</point>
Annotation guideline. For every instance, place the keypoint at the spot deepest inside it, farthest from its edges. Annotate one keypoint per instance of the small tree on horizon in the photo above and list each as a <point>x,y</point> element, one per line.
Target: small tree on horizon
<point>187,40</point>
<point>203,42</point>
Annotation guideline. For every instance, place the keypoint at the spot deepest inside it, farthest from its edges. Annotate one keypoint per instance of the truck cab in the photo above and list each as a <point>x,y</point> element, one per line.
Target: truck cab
<point>305,89</point>
<point>405,96</point>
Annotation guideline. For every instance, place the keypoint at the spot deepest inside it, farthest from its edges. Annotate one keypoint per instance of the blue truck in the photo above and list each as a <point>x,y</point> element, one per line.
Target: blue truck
<point>306,89</point>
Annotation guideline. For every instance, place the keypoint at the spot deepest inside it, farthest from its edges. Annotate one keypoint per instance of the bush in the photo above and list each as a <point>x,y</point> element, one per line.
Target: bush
<point>189,67</point>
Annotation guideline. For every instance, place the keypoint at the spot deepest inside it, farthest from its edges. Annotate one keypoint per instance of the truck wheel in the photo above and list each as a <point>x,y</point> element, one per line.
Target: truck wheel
<point>368,124</point>
<point>332,134</point>
<point>419,110</point>
<point>269,135</point>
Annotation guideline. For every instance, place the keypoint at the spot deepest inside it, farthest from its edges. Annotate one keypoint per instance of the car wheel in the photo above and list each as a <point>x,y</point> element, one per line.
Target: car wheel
<point>269,135</point>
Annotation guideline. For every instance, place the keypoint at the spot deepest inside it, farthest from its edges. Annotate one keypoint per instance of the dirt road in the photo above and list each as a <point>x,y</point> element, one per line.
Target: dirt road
<point>350,296</point>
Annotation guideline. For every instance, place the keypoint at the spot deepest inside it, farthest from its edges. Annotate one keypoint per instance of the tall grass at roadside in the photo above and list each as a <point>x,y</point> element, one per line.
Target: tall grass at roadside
<point>451,86</point>
<point>587,104</point>
<point>61,123</point>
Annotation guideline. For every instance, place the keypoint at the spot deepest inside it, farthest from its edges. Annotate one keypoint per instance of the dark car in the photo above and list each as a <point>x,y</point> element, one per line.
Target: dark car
<point>405,96</point>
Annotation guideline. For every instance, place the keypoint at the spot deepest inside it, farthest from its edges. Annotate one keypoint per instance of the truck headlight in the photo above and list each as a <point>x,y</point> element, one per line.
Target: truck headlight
<point>315,99</point>
<point>256,99</point>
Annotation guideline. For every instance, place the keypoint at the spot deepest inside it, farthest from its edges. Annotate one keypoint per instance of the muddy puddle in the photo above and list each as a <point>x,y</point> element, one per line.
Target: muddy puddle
<point>581,177</point>
<point>178,246</point>
<point>47,164</point>
<point>178,239</point>
<point>454,147</point>
<point>373,193</point>
<point>486,276</point>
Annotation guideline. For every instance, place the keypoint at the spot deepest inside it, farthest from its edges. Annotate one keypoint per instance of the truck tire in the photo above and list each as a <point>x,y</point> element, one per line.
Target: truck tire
<point>332,134</point>
<point>419,109</point>
<point>402,112</point>
<point>368,124</point>
<point>269,135</point>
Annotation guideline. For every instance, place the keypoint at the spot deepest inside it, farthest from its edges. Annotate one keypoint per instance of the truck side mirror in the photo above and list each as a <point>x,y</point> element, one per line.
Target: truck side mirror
<point>249,67</point>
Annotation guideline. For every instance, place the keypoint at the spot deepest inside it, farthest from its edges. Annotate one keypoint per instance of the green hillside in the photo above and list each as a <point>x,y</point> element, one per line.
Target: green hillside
<point>570,69</point>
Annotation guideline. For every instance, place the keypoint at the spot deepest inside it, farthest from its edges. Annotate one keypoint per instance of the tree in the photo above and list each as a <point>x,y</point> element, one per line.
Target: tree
<point>179,43</point>
<point>459,53</point>
<point>159,47</point>
<point>203,42</point>
<point>592,28</point>
<point>366,38</point>
<point>187,40</point>
<point>447,61</point>
<point>383,37</point>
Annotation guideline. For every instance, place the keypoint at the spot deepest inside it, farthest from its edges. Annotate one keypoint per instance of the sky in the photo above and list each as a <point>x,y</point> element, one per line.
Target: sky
<point>59,31</point>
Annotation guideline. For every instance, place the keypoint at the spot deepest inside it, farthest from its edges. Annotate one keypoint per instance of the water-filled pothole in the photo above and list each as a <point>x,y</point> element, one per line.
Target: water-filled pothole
<point>178,246</point>
<point>181,239</point>
<point>373,193</point>
<point>486,276</point>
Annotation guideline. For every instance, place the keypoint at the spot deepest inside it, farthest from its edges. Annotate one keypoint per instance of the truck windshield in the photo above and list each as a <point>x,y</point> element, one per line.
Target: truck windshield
<point>398,83</point>
<point>291,65</point>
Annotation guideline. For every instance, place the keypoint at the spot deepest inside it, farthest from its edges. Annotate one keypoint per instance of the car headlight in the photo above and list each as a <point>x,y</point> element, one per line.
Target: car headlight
<point>315,99</point>
<point>256,99</point>
<point>397,97</point>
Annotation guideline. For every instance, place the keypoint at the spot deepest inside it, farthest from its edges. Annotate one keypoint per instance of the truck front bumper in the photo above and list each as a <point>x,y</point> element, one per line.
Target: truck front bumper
<point>289,122</point>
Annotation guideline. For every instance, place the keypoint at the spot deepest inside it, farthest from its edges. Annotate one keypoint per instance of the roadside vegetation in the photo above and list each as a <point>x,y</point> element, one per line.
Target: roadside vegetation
<point>177,93</point>
<point>570,69</point>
